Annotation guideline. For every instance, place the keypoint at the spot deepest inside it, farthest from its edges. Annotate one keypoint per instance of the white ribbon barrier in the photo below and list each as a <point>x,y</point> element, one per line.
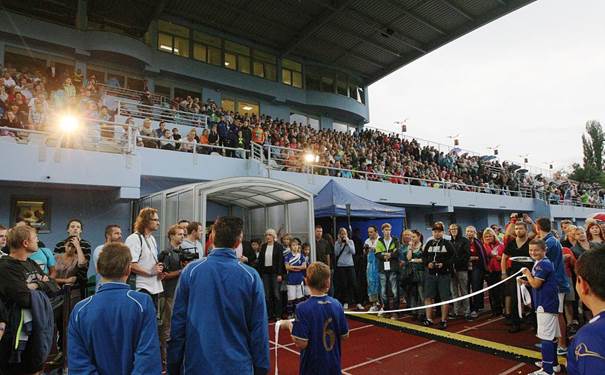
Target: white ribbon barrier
<point>438,303</point>
<point>279,322</point>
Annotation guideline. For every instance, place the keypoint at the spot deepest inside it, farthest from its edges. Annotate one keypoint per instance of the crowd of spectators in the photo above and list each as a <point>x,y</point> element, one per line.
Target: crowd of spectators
<point>29,98</point>
<point>379,273</point>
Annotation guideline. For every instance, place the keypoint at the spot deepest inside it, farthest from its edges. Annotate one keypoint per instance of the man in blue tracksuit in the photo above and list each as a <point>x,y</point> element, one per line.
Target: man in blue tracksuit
<point>115,331</point>
<point>219,319</point>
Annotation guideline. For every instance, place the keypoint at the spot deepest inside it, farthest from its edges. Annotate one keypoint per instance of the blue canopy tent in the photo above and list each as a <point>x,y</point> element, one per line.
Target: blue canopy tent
<point>333,199</point>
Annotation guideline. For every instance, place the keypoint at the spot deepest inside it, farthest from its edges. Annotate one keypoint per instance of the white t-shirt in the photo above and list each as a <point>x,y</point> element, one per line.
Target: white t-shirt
<point>146,257</point>
<point>269,256</point>
<point>371,243</point>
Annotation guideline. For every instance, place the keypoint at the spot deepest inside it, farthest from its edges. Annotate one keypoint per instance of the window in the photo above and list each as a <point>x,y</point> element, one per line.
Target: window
<point>207,48</point>
<point>247,107</point>
<point>263,65</point>
<point>135,84</point>
<point>162,90</point>
<point>312,80</point>
<point>237,57</point>
<point>341,85</point>
<point>291,73</point>
<point>327,84</point>
<point>228,105</point>
<point>230,61</point>
<point>173,38</point>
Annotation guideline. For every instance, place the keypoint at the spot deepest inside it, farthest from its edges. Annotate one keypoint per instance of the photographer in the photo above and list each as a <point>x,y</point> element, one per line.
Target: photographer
<point>344,276</point>
<point>172,259</point>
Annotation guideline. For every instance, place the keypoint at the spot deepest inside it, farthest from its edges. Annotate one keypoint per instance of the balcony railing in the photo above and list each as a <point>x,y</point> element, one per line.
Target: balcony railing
<point>124,93</point>
<point>157,113</point>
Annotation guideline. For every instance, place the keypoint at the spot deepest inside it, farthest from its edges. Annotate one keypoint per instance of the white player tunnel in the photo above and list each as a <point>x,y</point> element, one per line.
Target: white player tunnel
<point>261,203</point>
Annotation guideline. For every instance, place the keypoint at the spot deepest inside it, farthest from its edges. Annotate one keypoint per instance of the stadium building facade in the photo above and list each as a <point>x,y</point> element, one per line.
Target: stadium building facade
<point>314,78</point>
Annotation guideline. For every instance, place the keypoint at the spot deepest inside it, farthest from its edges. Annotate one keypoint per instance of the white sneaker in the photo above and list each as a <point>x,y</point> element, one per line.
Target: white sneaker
<point>539,372</point>
<point>381,312</point>
<point>556,368</point>
<point>474,315</point>
<point>374,308</point>
<point>346,306</point>
<point>360,307</point>
<point>561,351</point>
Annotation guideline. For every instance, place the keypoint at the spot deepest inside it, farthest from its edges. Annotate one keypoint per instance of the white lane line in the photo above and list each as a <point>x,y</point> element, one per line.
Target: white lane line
<point>390,355</point>
<point>512,369</point>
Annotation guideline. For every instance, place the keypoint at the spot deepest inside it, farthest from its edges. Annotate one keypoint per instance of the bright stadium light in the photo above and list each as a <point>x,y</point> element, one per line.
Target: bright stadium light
<point>311,158</point>
<point>69,123</point>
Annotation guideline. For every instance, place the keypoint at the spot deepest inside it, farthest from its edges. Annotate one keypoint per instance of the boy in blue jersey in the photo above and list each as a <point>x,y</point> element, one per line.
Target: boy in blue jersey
<point>320,326</point>
<point>586,353</point>
<point>296,264</point>
<point>115,331</point>
<point>545,300</point>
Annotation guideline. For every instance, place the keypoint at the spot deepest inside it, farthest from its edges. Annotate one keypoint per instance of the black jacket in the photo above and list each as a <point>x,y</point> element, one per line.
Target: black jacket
<point>438,251</point>
<point>278,260</point>
<point>15,275</point>
<point>462,252</point>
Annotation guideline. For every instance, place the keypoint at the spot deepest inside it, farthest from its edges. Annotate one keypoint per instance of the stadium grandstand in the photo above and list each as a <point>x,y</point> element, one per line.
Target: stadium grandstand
<point>257,109</point>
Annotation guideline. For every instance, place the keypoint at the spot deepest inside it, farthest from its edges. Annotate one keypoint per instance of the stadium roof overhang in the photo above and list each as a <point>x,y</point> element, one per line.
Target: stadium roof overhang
<point>370,38</point>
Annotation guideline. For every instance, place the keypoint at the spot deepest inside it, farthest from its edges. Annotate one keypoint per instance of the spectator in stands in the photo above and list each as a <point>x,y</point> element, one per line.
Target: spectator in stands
<point>144,252</point>
<point>129,341</point>
<point>344,275</point>
<point>192,243</point>
<point>37,116</point>
<point>234,312</point>
<point>213,136</point>
<point>190,143</point>
<point>68,88</point>
<point>460,272</point>
<point>113,234</point>
<point>159,132</point>
<point>387,254</point>
<point>148,134</point>
<point>493,249</point>
<point>171,259</point>
<point>177,138</point>
<point>595,234</point>
<point>166,141</point>
<point>438,256</point>
<point>270,266</point>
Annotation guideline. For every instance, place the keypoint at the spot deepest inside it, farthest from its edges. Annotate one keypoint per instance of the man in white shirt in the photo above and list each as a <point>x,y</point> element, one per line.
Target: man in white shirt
<point>113,233</point>
<point>144,251</point>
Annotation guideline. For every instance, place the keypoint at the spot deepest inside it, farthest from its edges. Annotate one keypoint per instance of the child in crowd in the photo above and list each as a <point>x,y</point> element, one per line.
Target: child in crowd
<point>306,250</point>
<point>296,264</point>
<point>320,326</point>
<point>546,302</point>
<point>115,331</point>
<point>586,353</point>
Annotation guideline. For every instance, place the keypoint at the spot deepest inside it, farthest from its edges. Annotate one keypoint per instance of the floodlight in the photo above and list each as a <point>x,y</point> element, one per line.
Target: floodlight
<point>68,123</point>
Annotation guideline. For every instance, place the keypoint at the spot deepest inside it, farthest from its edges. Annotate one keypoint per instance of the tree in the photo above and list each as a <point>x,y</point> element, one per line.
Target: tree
<point>593,143</point>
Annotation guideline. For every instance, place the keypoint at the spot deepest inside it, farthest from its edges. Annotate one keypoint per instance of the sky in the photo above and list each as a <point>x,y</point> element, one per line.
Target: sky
<point>527,82</point>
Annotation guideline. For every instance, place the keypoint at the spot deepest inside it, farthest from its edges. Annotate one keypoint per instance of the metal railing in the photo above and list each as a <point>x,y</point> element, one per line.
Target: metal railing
<point>88,134</point>
<point>191,147</point>
<point>157,113</point>
<point>131,94</point>
<point>293,160</point>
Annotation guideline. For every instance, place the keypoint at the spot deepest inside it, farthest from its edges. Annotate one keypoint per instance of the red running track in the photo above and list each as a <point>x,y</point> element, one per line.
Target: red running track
<point>376,350</point>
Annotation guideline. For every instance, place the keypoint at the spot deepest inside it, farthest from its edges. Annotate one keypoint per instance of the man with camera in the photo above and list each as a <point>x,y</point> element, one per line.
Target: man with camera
<point>172,258</point>
<point>74,231</point>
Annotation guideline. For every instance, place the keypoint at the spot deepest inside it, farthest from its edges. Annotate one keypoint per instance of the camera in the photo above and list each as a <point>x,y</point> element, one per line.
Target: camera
<point>185,256</point>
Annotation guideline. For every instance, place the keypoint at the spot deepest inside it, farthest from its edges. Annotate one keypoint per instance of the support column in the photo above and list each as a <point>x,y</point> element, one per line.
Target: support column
<point>2,49</point>
<point>82,15</point>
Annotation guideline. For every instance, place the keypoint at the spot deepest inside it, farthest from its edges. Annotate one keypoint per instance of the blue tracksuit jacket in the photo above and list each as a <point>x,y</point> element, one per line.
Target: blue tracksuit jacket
<point>219,320</point>
<point>114,332</point>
